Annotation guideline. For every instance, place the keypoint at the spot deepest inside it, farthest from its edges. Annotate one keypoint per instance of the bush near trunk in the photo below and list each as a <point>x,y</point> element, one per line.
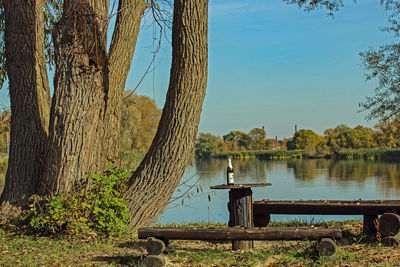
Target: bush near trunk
<point>97,210</point>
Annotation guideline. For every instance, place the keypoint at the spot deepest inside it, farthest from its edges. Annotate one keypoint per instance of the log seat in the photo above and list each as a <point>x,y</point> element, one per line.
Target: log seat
<point>325,235</point>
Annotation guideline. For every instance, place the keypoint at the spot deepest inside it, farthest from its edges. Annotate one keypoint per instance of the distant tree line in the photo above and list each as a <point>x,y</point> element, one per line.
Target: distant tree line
<point>385,134</point>
<point>208,144</point>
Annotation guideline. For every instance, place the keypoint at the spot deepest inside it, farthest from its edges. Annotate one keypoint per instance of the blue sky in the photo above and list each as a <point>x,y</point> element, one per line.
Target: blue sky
<point>274,65</point>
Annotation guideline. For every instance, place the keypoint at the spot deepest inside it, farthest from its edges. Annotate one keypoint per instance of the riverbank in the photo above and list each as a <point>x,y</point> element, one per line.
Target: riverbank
<point>369,154</point>
<point>263,154</point>
<point>17,248</point>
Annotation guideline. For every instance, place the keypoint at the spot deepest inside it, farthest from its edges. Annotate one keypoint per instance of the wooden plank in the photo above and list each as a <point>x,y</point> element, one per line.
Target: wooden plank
<point>236,233</point>
<point>326,207</point>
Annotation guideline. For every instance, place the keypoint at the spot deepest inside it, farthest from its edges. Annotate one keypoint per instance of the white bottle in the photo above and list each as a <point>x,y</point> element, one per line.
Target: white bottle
<point>230,175</point>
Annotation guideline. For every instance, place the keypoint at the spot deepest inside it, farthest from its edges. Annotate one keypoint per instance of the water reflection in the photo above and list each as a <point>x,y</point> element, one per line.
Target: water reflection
<point>341,172</point>
<point>291,179</point>
<point>386,175</point>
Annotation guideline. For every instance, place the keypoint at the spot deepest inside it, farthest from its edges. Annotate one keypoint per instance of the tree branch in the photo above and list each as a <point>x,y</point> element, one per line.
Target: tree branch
<point>124,38</point>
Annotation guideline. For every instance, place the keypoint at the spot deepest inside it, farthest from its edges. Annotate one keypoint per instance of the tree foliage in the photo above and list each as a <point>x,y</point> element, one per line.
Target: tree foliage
<point>383,65</point>
<point>257,139</point>
<point>388,132</point>
<point>236,141</point>
<point>309,5</point>
<point>207,144</point>
<point>344,137</point>
<point>139,120</point>
<point>312,143</point>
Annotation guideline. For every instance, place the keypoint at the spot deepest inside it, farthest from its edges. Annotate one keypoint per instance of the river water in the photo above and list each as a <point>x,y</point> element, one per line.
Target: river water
<point>291,180</point>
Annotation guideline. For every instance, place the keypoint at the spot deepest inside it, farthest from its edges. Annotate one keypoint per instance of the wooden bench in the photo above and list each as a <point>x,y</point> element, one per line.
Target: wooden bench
<point>325,235</point>
<point>370,209</point>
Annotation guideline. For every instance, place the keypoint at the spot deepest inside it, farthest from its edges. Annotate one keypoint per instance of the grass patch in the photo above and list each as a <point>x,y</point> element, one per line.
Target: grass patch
<point>371,154</point>
<point>18,249</point>
<point>219,257</point>
<point>301,223</point>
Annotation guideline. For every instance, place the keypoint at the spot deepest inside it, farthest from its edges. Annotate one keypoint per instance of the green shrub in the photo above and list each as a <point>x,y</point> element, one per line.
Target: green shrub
<point>371,154</point>
<point>3,169</point>
<point>99,209</point>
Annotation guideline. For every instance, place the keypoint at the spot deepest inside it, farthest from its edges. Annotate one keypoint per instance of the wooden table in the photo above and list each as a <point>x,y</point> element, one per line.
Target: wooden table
<point>240,208</point>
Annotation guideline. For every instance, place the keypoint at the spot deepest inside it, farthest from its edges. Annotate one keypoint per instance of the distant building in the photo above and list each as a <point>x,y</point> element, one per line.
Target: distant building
<point>273,144</point>
<point>276,145</point>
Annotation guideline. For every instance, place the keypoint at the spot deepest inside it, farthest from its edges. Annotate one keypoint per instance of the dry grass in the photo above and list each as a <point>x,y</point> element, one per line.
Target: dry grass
<point>17,249</point>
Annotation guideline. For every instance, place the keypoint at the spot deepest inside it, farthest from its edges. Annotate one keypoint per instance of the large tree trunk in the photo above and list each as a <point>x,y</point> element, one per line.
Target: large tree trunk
<point>85,116</point>
<point>80,90</point>
<point>153,183</point>
<point>120,59</point>
<point>30,99</point>
<point>88,87</point>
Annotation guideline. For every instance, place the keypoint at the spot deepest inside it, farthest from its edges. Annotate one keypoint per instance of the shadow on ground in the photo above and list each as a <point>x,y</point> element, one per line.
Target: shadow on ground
<point>129,260</point>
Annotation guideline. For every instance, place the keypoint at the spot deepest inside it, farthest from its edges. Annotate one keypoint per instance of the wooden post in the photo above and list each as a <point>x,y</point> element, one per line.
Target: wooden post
<point>369,225</point>
<point>241,214</point>
<point>240,208</point>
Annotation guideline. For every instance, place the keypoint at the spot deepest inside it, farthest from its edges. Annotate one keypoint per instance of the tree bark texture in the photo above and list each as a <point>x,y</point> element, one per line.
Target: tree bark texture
<point>120,57</point>
<point>80,90</point>
<point>29,96</point>
<point>153,183</point>
<point>84,126</point>
<point>240,233</point>
<point>326,247</point>
<point>85,95</point>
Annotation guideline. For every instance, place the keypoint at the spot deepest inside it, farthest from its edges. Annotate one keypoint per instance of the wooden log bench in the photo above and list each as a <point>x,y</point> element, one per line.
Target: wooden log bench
<point>325,235</point>
<point>389,227</point>
<point>370,209</point>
